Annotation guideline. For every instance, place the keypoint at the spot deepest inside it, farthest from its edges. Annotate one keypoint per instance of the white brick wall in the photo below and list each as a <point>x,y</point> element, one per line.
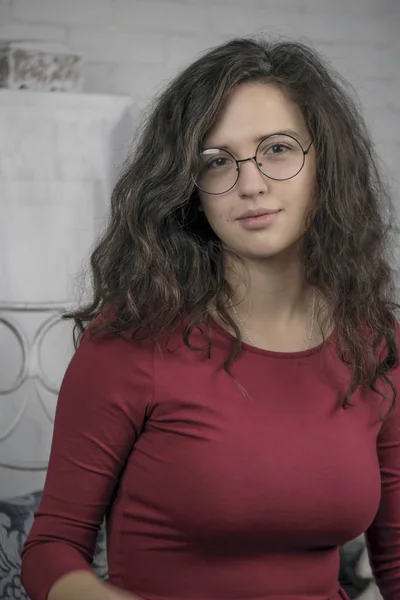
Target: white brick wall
<point>134,46</point>
<point>96,13</point>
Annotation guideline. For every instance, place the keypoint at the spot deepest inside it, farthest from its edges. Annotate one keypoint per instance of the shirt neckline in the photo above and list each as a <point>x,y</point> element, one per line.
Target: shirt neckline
<point>222,332</point>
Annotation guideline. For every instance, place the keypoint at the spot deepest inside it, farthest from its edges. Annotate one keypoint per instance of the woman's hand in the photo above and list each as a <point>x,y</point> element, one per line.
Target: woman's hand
<point>84,585</point>
<point>118,594</point>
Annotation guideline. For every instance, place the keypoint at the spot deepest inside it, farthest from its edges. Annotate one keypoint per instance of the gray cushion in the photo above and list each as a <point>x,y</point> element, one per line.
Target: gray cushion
<point>16,518</point>
<point>350,555</point>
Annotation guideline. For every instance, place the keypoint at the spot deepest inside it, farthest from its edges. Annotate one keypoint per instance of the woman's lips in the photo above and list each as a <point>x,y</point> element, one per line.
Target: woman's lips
<point>259,222</point>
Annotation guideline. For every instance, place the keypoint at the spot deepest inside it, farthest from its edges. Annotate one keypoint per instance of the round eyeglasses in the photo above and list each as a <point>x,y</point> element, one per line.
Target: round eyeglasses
<point>278,156</point>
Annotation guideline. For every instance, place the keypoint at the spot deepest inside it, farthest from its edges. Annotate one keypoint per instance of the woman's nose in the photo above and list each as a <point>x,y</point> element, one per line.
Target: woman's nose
<point>251,181</point>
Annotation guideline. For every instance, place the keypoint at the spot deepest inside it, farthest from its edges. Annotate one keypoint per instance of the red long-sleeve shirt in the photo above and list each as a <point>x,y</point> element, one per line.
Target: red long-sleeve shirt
<point>212,493</point>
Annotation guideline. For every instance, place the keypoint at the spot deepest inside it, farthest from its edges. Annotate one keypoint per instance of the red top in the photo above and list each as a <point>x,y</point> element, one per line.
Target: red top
<point>211,493</point>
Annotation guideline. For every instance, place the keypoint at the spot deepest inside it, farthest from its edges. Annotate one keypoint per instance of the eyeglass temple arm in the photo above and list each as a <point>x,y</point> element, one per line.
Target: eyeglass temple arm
<point>308,149</point>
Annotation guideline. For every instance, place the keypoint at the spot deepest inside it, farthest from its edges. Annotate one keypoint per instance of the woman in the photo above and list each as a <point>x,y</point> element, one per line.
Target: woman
<point>231,408</point>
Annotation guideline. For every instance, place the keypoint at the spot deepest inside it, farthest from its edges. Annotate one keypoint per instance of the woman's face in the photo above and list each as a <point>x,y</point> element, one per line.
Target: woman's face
<point>253,112</point>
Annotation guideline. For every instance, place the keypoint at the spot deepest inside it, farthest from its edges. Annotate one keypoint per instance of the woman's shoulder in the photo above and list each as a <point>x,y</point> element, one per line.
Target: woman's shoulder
<point>103,346</point>
<point>109,356</point>
<point>107,372</point>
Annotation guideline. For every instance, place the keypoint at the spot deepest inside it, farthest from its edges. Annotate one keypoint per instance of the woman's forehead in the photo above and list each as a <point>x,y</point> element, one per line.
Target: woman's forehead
<point>254,111</point>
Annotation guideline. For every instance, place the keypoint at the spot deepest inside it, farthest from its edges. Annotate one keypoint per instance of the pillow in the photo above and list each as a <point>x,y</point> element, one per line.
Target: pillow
<point>16,519</point>
<point>355,573</point>
<point>99,563</point>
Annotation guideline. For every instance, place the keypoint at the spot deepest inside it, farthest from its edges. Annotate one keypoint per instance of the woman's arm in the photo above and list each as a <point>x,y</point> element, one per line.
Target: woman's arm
<point>383,536</point>
<point>100,412</point>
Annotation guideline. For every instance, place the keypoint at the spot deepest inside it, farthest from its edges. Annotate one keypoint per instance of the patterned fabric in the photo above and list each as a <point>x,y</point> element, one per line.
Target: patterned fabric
<point>99,564</point>
<point>16,518</point>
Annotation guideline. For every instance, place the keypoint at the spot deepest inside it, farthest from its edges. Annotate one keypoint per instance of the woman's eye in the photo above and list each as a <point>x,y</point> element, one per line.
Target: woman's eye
<point>217,162</point>
<point>277,149</point>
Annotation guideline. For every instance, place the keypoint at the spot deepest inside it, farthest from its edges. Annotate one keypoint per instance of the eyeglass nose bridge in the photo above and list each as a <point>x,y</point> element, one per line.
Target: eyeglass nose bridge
<point>252,158</point>
<point>242,160</point>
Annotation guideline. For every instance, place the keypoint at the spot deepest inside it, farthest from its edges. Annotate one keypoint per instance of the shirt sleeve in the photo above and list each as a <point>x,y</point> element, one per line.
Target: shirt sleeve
<point>101,408</point>
<point>383,536</point>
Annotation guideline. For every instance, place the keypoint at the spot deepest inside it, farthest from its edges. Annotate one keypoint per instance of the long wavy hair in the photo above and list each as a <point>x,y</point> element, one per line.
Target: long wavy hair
<point>159,265</point>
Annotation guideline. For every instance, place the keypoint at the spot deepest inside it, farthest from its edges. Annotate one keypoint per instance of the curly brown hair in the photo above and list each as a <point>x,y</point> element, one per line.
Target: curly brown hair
<point>159,261</point>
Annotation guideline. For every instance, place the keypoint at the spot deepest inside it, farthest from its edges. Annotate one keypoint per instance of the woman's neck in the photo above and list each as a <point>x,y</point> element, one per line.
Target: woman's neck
<point>273,304</point>
<point>270,291</point>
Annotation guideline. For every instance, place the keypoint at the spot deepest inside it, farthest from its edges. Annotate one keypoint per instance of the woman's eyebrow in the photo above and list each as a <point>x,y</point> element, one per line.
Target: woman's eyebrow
<point>291,132</point>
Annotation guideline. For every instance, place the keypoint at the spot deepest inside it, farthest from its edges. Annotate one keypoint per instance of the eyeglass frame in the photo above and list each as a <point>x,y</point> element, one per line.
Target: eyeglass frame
<point>254,158</point>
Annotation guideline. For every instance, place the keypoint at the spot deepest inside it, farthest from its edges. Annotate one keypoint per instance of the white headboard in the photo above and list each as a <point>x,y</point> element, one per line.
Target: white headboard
<point>58,156</point>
